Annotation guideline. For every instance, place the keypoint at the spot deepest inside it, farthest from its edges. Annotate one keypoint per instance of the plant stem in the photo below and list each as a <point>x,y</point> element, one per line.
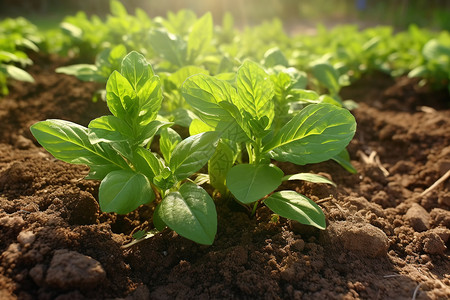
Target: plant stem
<point>257,150</point>
<point>254,208</point>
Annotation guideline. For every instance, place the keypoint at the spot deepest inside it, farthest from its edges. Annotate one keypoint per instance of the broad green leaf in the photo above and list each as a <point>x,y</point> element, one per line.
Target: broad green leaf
<point>83,72</point>
<point>191,213</point>
<point>18,74</point>
<point>183,73</point>
<point>294,206</point>
<point>123,191</point>
<point>183,117</point>
<point>136,69</point>
<point>69,142</point>
<point>147,163</point>
<point>255,92</point>
<point>121,97</point>
<point>275,57</point>
<point>315,178</point>
<point>113,131</point>
<point>200,37</point>
<point>168,46</point>
<point>307,96</point>
<point>150,130</point>
<point>197,126</point>
<point>169,138</point>
<point>109,128</point>
<point>150,98</point>
<point>315,134</point>
<point>157,221</point>
<point>328,76</point>
<point>204,93</point>
<point>249,183</point>
<point>220,163</point>
<point>191,154</point>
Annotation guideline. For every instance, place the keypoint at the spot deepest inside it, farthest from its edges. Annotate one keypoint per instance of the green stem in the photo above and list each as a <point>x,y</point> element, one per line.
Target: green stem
<point>257,150</point>
<point>254,208</point>
<point>251,157</point>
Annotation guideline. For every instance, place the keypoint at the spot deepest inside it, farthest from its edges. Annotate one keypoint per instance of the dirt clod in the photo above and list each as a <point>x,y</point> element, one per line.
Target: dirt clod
<point>72,270</point>
<point>418,217</point>
<point>365,239</point>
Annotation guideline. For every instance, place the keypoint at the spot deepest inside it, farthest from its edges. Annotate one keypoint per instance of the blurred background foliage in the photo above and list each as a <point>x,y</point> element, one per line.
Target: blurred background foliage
<point>433,14</point>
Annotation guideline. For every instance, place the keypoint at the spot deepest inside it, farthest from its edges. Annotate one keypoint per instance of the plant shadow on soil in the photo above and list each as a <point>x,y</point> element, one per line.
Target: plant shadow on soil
<point>383,239</point>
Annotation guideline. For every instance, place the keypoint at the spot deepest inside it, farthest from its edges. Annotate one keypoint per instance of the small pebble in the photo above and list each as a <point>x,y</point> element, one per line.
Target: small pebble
<point>26,237</point>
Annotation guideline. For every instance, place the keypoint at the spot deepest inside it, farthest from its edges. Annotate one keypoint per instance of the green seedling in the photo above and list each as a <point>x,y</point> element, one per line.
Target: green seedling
<point>244,116</point>
<point>116,148</point>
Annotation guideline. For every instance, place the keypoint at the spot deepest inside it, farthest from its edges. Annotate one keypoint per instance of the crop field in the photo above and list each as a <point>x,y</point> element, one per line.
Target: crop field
<point>194,155</point>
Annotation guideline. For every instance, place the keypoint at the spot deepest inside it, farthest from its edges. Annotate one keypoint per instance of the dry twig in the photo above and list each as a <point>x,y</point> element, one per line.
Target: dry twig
<point>373,159</point>
<point>438,182</point>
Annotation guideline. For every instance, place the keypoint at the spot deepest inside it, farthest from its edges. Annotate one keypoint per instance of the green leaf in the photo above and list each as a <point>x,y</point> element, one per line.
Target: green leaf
<point>109,129</point>
<point>191,154</point>
<point>83,72</point>
<point>157,221</point>
<point>147,163</point>
<point>191,213</point>
<point>309,177</point>
<point>121,97</point>
<point>315,134</point>
<point>178,77</point>
<point>211,99</point>
<point>200,37</point>
<point>123,191</point>
<point>18,74</point>
<point>197,126</point>
<point>328,76</point>
<point>420,71</point>
<point>150,98</point>
<point>249,183</point>
<point>255,91</point>
<point>136,69</point>
<point>343,158</point>
<point>220,163</point>
<point>432,50</point>
<point>150,130</point>
<point>204,93</point>
<point>117,9</point>
<point>169,138</point>
<point>294,206</point>
<point>275,57</point>
<point>168,46</point>
<point>69,142</point>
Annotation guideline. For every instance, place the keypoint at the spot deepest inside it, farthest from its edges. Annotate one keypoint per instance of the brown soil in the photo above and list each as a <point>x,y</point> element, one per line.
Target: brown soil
<point>384,239</point>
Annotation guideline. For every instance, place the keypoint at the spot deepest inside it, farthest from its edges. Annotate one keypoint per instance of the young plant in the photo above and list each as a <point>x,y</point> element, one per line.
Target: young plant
<point>244,118</point>
<point>116,148</point>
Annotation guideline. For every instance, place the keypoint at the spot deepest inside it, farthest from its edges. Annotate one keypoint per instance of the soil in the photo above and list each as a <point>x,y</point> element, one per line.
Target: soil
<point>384,240</point>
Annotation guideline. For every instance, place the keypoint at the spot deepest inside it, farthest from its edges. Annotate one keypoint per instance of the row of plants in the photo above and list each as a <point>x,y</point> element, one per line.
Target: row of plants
<point>332,58</point>
<point>249,99</point>
<point>237,133</point>
<point>17,37</point>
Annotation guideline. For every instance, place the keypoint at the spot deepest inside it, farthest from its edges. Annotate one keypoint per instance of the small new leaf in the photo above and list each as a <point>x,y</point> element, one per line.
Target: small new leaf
<point>294,206</point>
